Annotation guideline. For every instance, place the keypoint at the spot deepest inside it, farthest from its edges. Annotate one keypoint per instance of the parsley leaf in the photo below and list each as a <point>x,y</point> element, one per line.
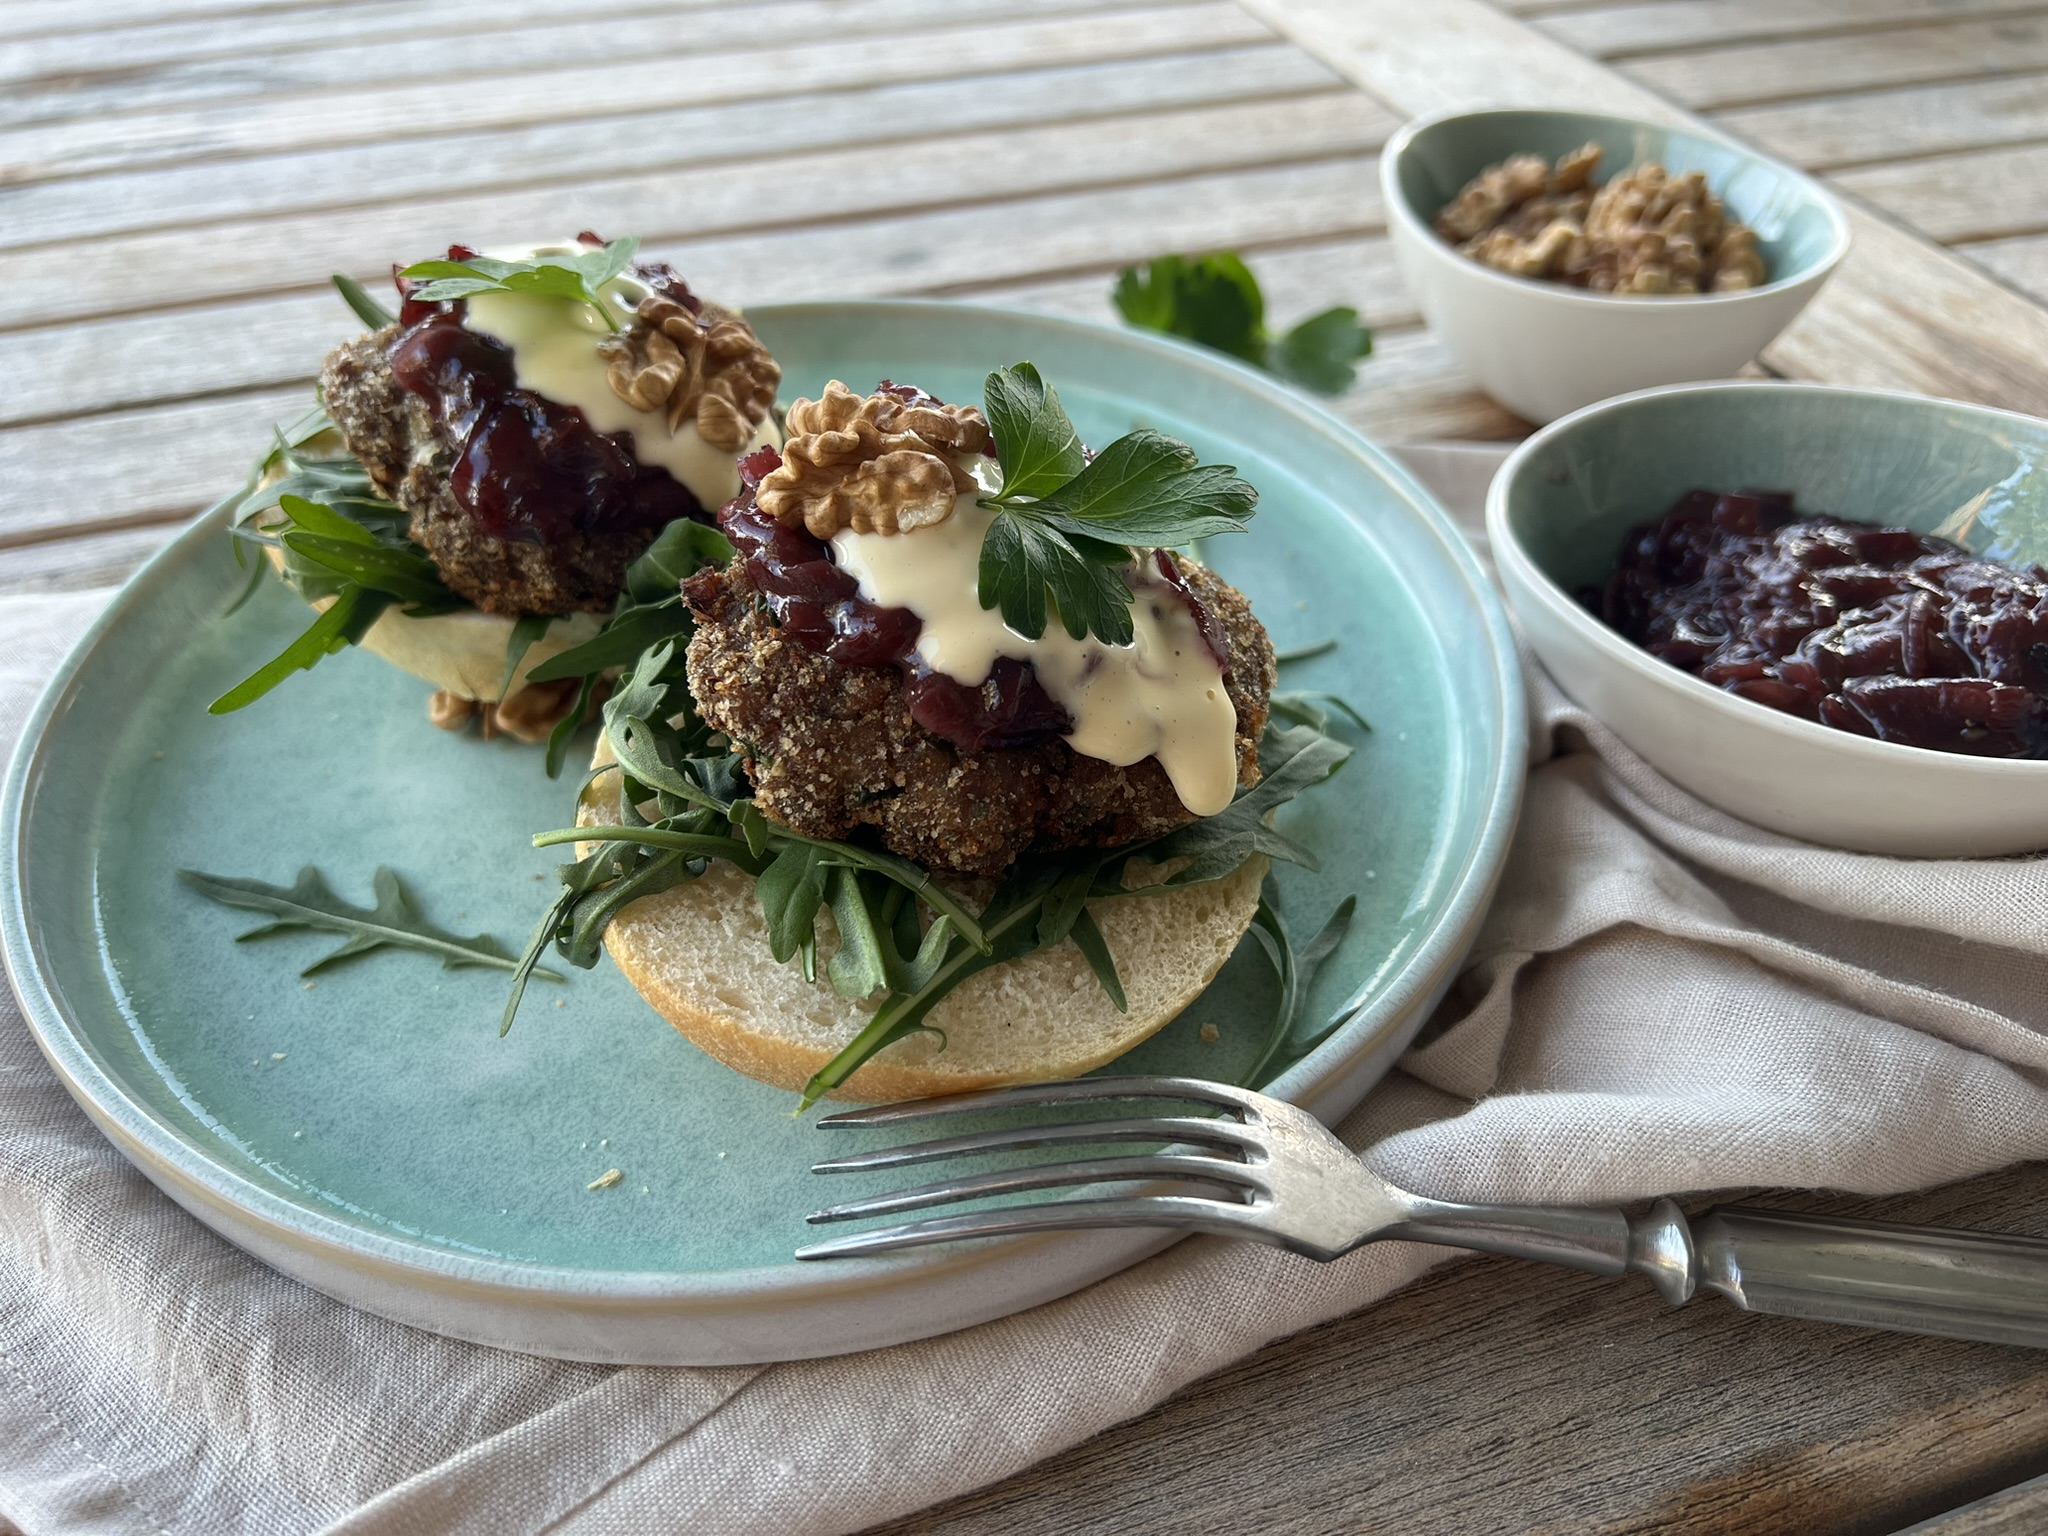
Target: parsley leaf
<point>1146,488</point>
<point>1215,300</point>
<point>1023,561</point>
<point>577,276</point>
<point>1068,526</point>
<point>1037,444</point>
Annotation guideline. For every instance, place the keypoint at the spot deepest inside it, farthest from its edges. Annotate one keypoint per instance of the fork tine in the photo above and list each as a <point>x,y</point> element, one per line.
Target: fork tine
<point>1187,1212</point>
<point>1225,1134</point>
<point>1074,1091</point>
<point>1044,1176</point>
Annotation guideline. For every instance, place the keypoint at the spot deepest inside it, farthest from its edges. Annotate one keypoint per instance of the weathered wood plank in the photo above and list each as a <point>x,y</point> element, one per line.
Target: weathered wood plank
<point>1782,69</point>
<point>132,466</point>
<point>1495,1396</point>
<point>1976,196</point>
<point>2022,262</point>
<point>70,564</point>
<point>2021,1510</point>
<point>616,90</point>
<point>1298,280</point>
<point>689,137</point>
<point>1652,25</point>
<point>100,79</point>
<point>940,252</point>
<point>1900,313</point>
<point>231,348</point>
<point>1838,131</point>
<point>37,20</point>
<point>186,266</point>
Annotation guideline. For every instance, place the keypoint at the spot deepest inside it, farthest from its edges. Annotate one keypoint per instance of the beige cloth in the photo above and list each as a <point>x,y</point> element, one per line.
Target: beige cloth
<point>1662,1000</point>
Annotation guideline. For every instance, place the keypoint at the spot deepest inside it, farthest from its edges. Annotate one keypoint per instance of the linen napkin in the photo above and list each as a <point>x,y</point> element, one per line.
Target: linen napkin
<point>1662,1000</point>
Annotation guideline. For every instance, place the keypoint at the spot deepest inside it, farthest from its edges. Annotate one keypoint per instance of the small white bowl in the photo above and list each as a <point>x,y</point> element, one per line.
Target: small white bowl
<point>1555,516</point>
<point>1543,349</point>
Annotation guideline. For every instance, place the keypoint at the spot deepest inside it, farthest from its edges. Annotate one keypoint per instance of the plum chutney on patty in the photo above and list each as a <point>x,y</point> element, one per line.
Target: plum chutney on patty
<point>847,721</point>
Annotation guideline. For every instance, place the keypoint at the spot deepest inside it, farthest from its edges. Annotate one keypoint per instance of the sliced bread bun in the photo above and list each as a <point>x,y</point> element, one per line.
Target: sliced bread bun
<point>699,953</point>
<point>462,652</point>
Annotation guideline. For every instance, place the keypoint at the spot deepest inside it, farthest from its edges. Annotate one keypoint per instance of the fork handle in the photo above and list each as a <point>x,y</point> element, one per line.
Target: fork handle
<point>1871,1274</point>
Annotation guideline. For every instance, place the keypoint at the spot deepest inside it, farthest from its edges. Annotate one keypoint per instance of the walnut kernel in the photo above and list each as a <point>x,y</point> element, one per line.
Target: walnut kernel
<point>1644,232</point>
<point>706,368</point>
<point>875,463</point>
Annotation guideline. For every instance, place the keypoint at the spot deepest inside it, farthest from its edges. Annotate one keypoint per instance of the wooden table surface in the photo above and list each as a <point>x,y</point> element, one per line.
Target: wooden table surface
<point>179,177</point>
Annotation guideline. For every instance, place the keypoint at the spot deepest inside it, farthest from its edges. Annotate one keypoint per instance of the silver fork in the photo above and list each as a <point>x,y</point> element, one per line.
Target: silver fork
<point>1285,1180</point>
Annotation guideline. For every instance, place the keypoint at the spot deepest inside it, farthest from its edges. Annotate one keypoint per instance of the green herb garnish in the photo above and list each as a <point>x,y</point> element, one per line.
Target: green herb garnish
<point>341,544</point>
<point>1070,526</point>
<point>576,276</point>
<point>1215,300</point>
<point>670,759</point>
<point>1295,972</point>
<point>309,904</point>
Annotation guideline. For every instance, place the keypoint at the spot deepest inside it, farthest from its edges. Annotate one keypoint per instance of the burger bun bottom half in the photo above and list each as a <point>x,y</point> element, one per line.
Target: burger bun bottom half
<point>699,953</point>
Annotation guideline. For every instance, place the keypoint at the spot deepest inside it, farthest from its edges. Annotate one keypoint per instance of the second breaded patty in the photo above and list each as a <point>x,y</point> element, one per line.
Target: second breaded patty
<point>832,748</point>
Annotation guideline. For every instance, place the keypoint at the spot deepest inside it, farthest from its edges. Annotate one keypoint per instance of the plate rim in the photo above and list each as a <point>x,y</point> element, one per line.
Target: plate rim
<point>166,1156</point>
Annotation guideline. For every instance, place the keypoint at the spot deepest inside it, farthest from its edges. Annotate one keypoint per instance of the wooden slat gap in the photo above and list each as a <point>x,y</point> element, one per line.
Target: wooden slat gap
<point>1725,104</point>
<point>411,136</point>
<point>259,8</point>
<point>582,178</point>
<point>852,218</point>
<point>1941,152</point>
<point>768,41</point>
<point>128,407</point>
<point>1627,55</point>
<point>57,534</point>
<point>683,54</point>
<point>1250,250</point>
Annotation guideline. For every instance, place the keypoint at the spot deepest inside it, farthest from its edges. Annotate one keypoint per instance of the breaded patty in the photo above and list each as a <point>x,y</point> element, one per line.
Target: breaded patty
<point>832,748</point>
<point>392,432</point>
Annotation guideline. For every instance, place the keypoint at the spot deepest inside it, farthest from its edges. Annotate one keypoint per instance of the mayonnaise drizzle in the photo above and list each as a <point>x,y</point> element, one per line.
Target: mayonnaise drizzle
<point>1160,696</point>
<point>554,353</point>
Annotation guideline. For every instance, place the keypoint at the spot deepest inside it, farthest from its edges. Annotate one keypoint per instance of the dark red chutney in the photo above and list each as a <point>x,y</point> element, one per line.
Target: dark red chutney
<point>820,607</point>
<point>527,468</point>
<point>1881,631</point>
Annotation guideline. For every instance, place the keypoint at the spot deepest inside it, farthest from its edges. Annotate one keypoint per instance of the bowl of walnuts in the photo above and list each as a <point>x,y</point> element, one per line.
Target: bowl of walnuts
<point>1565,257</point>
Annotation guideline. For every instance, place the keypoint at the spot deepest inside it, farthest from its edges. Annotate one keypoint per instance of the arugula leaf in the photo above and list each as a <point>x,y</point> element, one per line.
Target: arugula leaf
<point>1215,301</point>
<point>1095,950</point>
<point>310,904</point>
<point>1296,973</point>
<point>578,276</point>
<point>681,549</point>
<point>860,965</point>
<point>1294,760</point>
<point>790,890</point>
<point>367,309</point>
<point>346,621</point>
<point>526,629</point>
<point>1315,708</point>
<point>1036,444</point>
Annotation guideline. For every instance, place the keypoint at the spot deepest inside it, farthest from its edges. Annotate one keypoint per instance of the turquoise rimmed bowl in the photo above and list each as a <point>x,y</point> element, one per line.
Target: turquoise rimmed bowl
<point>1559,507</point>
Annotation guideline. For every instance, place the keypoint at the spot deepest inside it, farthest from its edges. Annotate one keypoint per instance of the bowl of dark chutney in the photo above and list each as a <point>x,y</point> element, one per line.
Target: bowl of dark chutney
<point>1881,691</point>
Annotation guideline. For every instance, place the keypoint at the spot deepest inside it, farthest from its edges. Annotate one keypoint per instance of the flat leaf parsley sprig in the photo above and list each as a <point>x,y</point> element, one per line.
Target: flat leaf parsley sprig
<point>1215,300</point>
<point>1068,525</point>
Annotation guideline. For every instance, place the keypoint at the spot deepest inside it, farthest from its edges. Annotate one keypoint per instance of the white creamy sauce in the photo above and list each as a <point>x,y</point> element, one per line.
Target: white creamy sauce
<point>554,353</point>
<point>1160,696</point>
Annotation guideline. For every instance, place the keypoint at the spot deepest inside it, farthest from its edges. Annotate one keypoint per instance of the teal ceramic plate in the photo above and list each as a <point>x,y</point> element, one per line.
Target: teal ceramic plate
<point>372,1135</point>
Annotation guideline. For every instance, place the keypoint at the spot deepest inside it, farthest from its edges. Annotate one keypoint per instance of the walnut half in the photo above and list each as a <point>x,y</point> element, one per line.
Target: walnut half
<point>706,368</point>
<point>880,463</point>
